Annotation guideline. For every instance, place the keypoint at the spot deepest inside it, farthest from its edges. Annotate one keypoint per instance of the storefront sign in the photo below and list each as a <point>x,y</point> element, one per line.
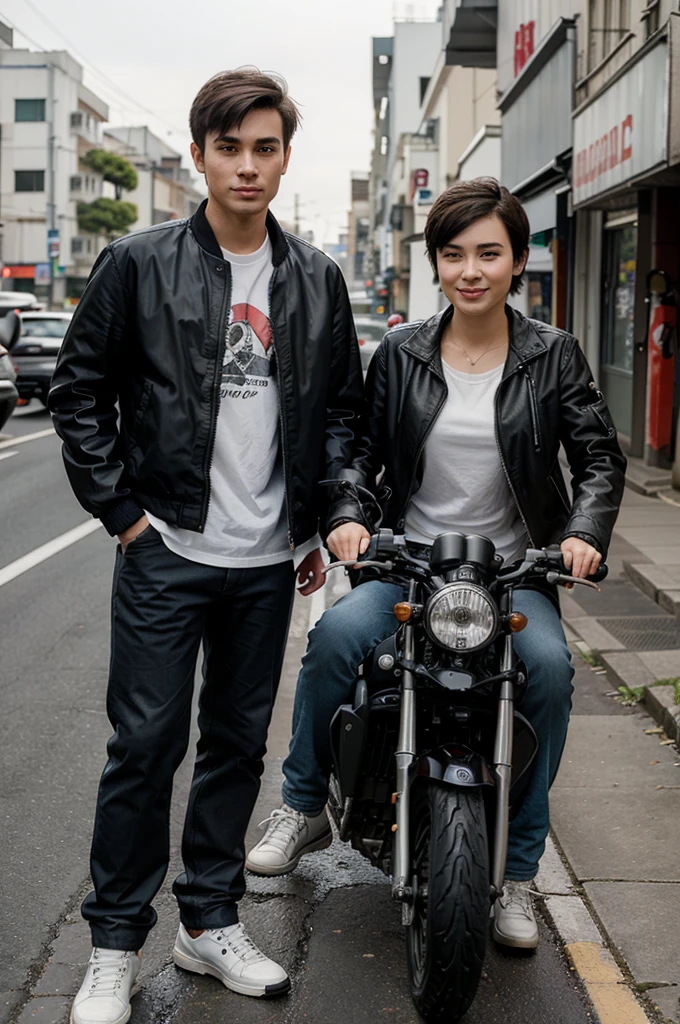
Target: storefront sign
<point>622,133</point>
<point>21,271</point>
<point>524,45</point>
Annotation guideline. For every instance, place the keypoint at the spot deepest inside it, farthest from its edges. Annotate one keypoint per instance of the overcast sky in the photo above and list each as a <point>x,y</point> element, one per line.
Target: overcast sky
<point>160,52</point>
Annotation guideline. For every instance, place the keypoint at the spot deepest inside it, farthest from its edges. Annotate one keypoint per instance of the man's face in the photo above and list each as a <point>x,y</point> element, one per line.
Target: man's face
<point>243,167</point>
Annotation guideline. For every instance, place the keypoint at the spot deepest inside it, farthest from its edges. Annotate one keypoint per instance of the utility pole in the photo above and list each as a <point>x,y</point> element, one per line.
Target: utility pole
<point>296,215</point>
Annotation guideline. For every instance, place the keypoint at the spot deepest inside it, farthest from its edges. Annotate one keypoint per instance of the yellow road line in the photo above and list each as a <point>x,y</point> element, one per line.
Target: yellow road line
<point>606,986</point>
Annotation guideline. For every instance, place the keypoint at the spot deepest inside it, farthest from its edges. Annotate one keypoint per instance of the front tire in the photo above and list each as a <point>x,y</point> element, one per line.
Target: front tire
<point>446,940</point>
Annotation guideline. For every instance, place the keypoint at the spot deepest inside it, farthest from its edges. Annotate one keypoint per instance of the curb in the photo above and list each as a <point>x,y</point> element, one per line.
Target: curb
<point>657,583</point>
<point>591,959</point>
<point>624,668</point>
<point>661,704</point>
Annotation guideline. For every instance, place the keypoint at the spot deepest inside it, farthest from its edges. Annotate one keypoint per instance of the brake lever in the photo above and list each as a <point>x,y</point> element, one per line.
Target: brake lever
<point>558,577</point>
<point>352,563</point>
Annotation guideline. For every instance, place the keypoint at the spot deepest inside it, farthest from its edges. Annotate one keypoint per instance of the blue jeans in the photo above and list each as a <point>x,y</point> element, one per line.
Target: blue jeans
<point>341,640</point>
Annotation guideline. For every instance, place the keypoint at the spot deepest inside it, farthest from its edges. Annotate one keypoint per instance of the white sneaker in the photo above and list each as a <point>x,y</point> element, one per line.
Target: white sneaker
<point>514,922</point>
<point>289,836</point>
<point>231,956</point>
<point>105,994</point>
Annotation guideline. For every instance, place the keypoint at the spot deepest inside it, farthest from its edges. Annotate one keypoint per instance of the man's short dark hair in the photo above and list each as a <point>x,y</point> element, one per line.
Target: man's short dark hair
<point>226,99</point>
<point>468,201</point>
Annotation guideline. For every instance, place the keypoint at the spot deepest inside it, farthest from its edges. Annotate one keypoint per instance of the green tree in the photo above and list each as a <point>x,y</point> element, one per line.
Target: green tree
<point>113,168</point>
<point>108,217</point>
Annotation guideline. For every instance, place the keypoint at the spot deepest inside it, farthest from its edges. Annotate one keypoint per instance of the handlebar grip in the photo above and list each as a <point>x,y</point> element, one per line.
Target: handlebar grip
<point>383,545</point>
<point>554,553</point>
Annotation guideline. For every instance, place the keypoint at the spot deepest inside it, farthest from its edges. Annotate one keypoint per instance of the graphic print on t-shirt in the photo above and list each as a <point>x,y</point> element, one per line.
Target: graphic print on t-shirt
<point>248,352</point>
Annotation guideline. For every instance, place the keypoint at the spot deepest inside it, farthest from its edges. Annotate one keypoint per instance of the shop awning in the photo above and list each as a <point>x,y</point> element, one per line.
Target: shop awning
<point>472,37</point>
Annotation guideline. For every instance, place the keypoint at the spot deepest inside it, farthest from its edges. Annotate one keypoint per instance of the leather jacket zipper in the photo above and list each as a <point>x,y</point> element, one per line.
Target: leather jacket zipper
<point>291,542</point>
<point>215,407</point>
<point>533,405</point>
<point>505,468</point>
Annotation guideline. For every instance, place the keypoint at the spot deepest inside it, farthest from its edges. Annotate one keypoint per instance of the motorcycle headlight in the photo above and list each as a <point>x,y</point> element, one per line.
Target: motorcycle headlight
<point>461,617</point>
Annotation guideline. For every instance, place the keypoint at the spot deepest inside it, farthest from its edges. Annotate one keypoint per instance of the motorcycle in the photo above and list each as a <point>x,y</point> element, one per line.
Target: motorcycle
<point>432,757</point>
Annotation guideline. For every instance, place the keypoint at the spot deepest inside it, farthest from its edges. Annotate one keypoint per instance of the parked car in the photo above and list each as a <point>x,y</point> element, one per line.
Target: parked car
<point>20,302</point>
<point>10,327</point>
<point>370,331</point>
<point>35,353</point>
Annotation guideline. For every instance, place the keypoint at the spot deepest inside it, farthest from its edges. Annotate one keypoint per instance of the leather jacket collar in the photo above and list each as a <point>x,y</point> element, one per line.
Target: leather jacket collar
<point>205,236</point>
<point>525,341</point>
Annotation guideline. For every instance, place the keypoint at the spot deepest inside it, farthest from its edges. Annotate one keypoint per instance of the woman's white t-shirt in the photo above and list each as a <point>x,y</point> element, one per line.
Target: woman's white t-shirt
<point>464,487</point>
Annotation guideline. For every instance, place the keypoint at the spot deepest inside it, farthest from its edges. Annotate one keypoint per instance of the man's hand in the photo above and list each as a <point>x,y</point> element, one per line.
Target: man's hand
<point>348,541</point>
<point>310,573</point>
<point>132,532</point>
<point>580,558</point>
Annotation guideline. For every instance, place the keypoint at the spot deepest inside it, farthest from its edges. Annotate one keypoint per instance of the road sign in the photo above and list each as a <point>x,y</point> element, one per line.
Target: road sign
<point>53,244</point>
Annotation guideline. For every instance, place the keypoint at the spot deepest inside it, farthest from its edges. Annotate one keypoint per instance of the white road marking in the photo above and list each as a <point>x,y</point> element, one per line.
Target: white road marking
<point>8,455</point>
<point>27,437</point>
<point>45,551</point>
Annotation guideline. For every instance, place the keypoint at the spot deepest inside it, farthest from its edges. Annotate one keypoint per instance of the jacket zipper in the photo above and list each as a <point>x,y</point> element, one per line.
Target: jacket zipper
<point>291,542</point>
<point>533,403</point>
<point>214,411</point>
<point>505,469</point>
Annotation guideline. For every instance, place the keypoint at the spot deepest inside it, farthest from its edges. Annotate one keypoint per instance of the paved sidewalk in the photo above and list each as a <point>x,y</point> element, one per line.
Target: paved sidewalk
<point>616,802</point>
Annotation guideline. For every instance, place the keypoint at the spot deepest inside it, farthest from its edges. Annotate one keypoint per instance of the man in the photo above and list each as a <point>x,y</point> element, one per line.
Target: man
<point>229,347</point>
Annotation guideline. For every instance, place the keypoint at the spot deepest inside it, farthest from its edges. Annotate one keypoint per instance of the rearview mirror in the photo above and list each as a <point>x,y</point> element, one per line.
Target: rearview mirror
<point>10,329</point>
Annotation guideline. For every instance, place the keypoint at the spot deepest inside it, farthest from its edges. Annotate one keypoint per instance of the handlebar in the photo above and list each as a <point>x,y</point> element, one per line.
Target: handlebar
<point>388,551</point>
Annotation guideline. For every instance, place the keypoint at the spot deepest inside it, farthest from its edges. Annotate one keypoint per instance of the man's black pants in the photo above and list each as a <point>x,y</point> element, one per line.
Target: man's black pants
<point>163,607</point>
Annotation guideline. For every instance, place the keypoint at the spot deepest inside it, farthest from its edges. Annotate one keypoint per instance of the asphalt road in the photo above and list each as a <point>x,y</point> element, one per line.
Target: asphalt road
<point>332,923</point>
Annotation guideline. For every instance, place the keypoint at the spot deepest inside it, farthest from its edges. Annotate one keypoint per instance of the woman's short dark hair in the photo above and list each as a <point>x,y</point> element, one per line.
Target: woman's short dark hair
<point>468,201</point>
<point>226,99</point>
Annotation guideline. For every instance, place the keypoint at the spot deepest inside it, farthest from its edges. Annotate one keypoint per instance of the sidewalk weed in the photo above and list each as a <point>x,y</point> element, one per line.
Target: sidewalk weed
<point>631,695</point>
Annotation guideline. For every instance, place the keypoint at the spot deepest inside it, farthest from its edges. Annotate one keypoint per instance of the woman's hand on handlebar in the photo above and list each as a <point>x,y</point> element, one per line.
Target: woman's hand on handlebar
<point>348,541</point>
<point>580,558</point>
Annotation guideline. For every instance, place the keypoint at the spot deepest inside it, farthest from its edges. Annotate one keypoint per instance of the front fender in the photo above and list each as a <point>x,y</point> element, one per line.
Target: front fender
<point>454,766</point>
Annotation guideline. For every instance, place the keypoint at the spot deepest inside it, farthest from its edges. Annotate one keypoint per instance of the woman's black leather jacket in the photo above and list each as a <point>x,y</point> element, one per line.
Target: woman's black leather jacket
<point>546,398</point>
<point>150,333</point>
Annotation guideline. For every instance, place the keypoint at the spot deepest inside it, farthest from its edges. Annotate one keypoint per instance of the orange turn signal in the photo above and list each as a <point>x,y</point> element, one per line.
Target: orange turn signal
<point>517,622</point>
<point>403,611</point>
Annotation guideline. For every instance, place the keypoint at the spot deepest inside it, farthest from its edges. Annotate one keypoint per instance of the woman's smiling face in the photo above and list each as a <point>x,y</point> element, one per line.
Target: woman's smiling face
<point>476,267</point>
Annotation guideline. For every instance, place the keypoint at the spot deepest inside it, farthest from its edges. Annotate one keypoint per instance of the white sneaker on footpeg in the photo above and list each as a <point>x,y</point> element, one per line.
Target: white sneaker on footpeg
<point>514,921</point>
<point>289,836</point>
<point>229,955</point>
<point>105,994</point>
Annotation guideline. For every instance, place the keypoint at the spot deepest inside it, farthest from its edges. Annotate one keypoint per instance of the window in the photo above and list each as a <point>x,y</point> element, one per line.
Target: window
<point>29,181</point>
<point>29,110</point>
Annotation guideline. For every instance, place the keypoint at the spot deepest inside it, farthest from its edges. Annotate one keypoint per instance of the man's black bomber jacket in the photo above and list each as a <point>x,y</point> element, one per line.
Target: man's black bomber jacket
<point>149,334</point>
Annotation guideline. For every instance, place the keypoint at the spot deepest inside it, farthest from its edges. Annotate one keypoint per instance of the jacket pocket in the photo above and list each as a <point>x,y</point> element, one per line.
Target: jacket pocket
<point>600,412</point>
<point>533,406</point>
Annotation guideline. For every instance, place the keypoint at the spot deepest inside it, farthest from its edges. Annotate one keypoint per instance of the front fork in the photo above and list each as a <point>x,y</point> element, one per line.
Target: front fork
<point>502,757</point>
<point>405,753</point>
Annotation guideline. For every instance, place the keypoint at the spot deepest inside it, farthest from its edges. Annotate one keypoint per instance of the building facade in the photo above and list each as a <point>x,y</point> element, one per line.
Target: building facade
<point>48,120</point>
<point>626,200</point>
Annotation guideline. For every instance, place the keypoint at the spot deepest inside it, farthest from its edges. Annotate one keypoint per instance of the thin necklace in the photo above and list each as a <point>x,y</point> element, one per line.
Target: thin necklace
<point>473,362</point>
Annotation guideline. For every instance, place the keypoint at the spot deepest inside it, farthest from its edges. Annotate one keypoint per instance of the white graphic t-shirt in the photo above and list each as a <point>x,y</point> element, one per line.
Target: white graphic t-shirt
<point>246,524</point>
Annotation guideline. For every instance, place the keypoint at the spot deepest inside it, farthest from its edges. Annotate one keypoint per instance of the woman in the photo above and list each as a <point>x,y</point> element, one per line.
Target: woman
<point>465,413</point>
